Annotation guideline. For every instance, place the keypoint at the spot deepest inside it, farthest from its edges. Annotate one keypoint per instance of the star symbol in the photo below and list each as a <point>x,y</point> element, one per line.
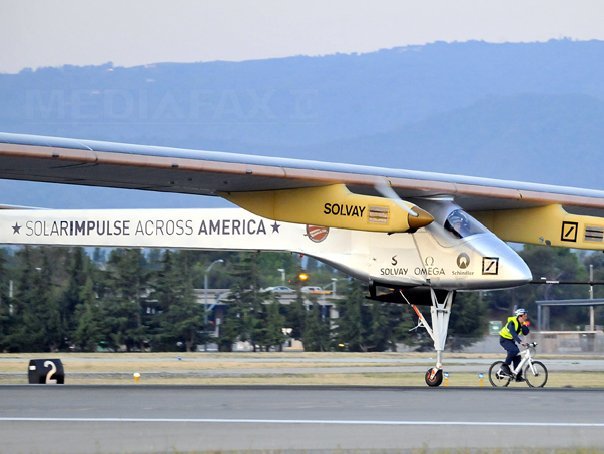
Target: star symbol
<point>16,228</point>
<point>275,227</point>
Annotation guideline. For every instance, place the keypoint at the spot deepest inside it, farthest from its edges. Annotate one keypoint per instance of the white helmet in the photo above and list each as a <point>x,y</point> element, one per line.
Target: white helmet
<point>520,311</point>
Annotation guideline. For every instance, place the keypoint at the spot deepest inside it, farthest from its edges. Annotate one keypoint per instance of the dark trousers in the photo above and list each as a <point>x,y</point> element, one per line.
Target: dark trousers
<point>512,349</point>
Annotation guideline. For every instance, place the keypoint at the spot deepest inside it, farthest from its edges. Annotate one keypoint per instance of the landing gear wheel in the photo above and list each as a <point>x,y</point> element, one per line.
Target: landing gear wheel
<point>434,377</point>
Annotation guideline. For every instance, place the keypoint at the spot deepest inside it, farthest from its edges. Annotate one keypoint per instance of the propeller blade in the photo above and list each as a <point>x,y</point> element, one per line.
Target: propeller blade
<point>387,191</point>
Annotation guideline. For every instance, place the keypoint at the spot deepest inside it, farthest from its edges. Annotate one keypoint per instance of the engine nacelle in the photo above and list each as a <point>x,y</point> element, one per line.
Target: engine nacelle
<point>333,206</point>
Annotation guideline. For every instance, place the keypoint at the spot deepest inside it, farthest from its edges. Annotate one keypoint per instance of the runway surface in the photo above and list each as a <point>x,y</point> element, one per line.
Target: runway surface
<point>143,418</point>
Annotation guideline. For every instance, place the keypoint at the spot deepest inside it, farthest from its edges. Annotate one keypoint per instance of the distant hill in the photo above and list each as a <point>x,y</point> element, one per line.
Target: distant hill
<point>555,139</point>
<point>517,111</point>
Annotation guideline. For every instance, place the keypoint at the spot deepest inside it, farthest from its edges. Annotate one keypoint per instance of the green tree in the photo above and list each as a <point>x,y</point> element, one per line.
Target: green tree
<point>220,277</point>
<point>317,335</point>
<point>36,324</point>
<point>164,282</point>
<point>467,323</point>
<point>296,316</point>
<point>241,302</point>
<point>366,325</point>
<point>352,329</point>
<point>231,327</point>
<point>79,273</point>
<point>5,303</point>
<point>399,323</point>
<point>181,318</point>
<point>91,329</point>
<point>122,294</point>
<point>247,313</point>
<point>271,262</point>
<point>379,333</point>
<point>274,322</point>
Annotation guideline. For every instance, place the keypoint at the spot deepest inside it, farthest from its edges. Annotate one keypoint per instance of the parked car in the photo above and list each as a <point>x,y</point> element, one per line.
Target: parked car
<point>314,290</point>
<point>278,289</point>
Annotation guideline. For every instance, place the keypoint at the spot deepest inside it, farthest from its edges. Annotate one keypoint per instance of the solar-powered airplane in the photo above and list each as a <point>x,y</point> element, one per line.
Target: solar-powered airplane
<point>413,237</point>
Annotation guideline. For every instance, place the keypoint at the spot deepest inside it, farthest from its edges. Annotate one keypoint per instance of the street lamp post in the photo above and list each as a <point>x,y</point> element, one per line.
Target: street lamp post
<point>592,319</point>
<point>205,291</point>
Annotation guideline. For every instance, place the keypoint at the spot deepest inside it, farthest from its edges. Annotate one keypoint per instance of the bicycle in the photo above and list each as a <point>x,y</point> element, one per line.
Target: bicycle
<point>534,372</point>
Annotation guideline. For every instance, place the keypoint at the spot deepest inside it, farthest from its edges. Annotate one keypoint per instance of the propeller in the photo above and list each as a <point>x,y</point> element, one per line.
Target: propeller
<point>386,190</point>
<point>417,216</point>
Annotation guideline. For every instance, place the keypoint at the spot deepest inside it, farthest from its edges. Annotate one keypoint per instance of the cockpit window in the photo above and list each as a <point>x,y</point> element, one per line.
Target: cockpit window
<point>462,225</point>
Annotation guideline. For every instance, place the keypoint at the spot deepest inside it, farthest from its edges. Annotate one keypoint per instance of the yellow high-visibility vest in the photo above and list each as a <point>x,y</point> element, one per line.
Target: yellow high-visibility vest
<point>505,332</point>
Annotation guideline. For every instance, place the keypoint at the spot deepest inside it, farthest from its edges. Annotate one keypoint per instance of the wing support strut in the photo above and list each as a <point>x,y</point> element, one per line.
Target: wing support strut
<point>440,311</point>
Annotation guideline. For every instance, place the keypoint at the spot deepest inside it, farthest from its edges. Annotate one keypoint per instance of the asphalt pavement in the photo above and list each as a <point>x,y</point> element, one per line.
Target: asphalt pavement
<point>136,419</point>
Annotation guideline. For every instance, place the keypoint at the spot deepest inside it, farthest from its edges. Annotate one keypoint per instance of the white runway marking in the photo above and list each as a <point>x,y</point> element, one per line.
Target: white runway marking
<point>312,421</point>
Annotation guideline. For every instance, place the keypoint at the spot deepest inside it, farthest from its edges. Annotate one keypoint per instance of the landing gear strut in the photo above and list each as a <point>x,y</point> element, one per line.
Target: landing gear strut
<point>440,311</point>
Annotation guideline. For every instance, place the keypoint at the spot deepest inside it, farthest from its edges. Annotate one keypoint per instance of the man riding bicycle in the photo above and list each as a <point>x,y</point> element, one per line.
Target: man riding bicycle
<point>509,337</point>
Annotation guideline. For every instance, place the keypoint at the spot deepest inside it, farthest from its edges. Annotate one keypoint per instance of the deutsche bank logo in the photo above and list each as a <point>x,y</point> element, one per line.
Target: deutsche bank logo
<point>569,231</point>
<point>490,265</point>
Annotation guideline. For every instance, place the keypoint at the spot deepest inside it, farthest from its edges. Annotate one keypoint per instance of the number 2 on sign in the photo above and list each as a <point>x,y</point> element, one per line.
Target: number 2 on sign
<point>51,372</point>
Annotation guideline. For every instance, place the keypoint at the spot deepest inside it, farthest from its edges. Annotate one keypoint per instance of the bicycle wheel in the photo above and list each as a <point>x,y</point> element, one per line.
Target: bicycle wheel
<point>536,375</point>
<point>497,379</point>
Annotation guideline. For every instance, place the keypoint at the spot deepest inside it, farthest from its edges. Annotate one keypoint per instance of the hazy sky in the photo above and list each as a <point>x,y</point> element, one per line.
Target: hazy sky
<point>37,33</point>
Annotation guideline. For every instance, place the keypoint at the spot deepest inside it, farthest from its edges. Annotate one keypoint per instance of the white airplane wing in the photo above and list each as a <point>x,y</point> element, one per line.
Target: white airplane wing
<point>313,192</point>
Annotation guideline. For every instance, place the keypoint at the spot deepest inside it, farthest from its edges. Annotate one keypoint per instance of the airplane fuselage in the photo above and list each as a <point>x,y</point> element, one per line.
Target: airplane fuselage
<point>430,256</point>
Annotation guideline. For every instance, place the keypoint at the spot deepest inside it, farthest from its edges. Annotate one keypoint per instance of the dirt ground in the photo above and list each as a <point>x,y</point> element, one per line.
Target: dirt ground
<point>336,369</point>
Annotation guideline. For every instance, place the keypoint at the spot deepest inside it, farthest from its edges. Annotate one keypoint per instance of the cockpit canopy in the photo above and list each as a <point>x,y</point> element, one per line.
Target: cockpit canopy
<point>462,225</point>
